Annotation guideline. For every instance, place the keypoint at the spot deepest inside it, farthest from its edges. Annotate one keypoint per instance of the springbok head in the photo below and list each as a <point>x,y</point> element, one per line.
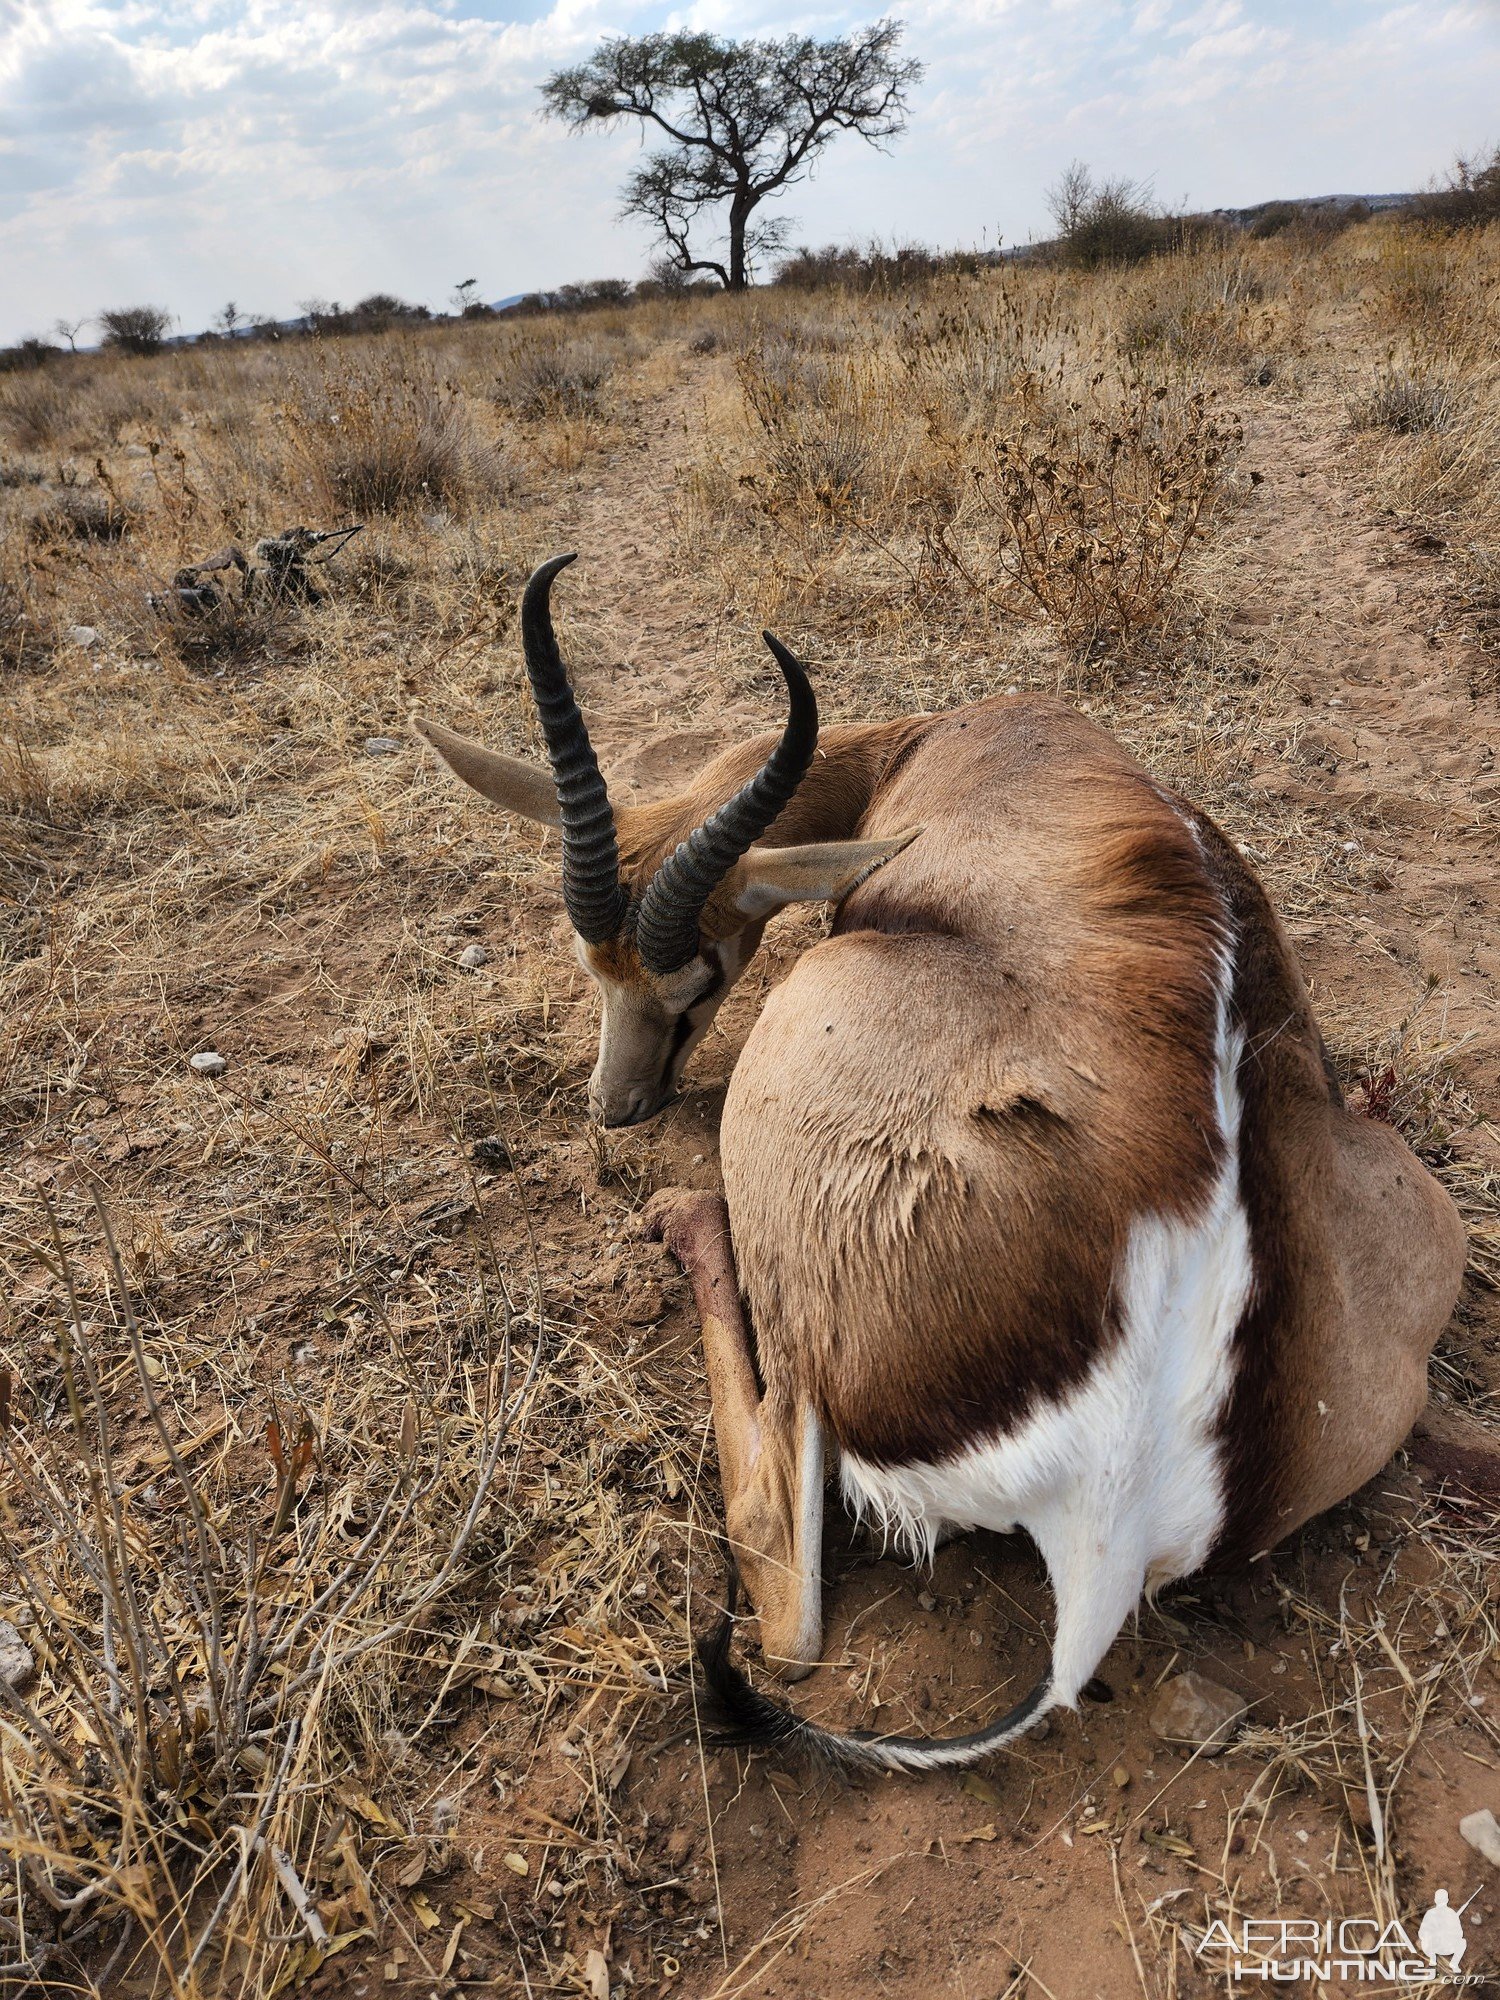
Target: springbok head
<point>667,901</point>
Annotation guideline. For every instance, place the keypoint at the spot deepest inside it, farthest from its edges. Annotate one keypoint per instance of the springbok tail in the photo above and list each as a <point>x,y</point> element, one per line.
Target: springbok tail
<point>747,1718</point>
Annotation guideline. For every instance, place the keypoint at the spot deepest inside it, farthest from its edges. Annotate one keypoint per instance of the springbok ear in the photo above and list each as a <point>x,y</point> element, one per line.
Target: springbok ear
<point>510,782</point>
<point>769,877</point>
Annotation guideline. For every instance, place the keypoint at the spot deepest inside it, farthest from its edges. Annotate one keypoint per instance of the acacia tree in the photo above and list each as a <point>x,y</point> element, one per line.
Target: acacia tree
<point>135,329</point>
<point>744,120</point>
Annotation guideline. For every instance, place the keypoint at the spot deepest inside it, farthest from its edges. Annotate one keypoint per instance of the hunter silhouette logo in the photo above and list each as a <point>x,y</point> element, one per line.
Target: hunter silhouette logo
<point>1441,1934</point>
<point>1354,1949</point>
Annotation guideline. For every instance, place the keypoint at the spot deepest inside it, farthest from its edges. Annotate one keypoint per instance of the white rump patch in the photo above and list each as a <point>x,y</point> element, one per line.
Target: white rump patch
<point>1119,1484</point>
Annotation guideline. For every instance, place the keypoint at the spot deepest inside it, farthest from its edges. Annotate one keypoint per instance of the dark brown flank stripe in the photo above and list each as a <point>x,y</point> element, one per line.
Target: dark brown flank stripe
<point>1270,1008</point>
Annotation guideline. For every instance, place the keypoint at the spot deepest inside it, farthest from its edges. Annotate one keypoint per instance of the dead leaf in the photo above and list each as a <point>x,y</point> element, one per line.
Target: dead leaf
<point>452,1948</point>
<point>596,1972</point>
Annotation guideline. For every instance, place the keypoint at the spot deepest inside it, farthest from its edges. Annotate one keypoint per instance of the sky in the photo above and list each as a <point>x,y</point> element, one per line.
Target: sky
<point>189,152</point>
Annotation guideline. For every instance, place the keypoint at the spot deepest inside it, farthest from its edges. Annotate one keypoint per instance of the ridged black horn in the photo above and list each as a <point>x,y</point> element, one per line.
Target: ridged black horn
<point>666,929</point>
<point>592,894</point>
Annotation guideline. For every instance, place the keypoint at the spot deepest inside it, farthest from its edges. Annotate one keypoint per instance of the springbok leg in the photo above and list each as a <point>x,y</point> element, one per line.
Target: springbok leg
<point>770,1448</point>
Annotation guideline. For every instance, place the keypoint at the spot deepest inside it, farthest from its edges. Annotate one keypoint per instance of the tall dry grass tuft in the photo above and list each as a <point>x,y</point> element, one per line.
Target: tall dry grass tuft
<point>384,434</point>
<point>34,407</point>
<point>549,374</point>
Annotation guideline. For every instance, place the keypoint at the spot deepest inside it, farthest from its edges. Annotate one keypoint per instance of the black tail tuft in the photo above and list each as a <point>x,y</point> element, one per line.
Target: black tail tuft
<point>738,1715</point>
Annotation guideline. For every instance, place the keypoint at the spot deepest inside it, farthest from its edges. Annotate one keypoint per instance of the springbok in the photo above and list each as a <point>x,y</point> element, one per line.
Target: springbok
<point>1039,1191</point>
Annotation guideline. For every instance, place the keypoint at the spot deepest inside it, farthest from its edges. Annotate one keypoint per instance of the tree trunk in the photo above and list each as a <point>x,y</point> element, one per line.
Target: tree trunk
<point>739,216</point>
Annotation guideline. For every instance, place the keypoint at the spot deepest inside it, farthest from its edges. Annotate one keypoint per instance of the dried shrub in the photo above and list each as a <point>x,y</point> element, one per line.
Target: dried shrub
<point>869,267</point>
<point>552,375</point>
<point>1106,222</point>
<point>386,436</point>
<point>1468,198</point>
<point>1401,401</point>
<point>1095,515</point>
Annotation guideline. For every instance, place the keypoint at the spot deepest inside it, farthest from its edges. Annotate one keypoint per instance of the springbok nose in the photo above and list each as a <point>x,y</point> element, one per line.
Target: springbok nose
<point>631,1107</point>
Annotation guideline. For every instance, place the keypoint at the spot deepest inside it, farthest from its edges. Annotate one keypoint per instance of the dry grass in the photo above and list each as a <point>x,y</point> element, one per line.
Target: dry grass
<point>1436,300</point>
<point>223,1637</point>
<point>283,1705</point>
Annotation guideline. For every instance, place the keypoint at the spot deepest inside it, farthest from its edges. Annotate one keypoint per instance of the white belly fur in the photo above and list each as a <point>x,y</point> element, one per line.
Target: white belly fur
<point>1119,1483</point>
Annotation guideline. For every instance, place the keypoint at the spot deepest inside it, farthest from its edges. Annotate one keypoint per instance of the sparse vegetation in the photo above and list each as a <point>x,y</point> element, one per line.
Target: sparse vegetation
<point>1399,401</point>
<point>1469,198</point>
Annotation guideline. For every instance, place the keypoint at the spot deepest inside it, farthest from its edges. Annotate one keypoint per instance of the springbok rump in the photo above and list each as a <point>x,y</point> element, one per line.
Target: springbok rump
<point>1039,1193</point>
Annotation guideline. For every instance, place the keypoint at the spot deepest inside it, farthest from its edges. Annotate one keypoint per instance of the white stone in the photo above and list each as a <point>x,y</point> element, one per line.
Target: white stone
<point>83,635</point>
<point>472,958</point>
<point>208,1062</point>
<point>17,1661</point>
<point>1482,1831</point>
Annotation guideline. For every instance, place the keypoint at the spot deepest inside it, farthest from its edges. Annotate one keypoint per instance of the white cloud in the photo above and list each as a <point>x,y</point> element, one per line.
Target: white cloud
<point>190,150</point>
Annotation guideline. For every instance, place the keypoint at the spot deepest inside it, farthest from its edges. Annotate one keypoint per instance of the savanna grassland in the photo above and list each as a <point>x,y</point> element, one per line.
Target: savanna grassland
<point>359,1490</point>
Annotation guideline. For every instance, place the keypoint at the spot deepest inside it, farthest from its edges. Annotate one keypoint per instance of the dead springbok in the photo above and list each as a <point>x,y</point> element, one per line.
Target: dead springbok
<point>1045,1206</point>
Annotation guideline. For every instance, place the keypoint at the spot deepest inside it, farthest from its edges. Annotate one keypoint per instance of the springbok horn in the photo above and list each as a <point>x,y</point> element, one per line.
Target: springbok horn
<point>666,930</point>
<point>592,895</point>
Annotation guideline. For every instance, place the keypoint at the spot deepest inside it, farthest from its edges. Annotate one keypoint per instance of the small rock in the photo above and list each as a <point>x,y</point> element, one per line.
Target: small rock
<point>1192,1710</point>
<point>381,746</point>
<point>18,1662</point>
<point>208,1062</point>
<point>926,1600</point>
<point>473,957</point>
<point>1480,1829</point>
<point>83,635</point>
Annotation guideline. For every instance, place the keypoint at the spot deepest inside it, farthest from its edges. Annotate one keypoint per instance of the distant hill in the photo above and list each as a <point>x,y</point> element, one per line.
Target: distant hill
<point>1246,217</point>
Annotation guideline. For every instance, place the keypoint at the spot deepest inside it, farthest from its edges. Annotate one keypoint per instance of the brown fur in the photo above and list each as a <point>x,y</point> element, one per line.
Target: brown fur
<point>952,1111</point>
